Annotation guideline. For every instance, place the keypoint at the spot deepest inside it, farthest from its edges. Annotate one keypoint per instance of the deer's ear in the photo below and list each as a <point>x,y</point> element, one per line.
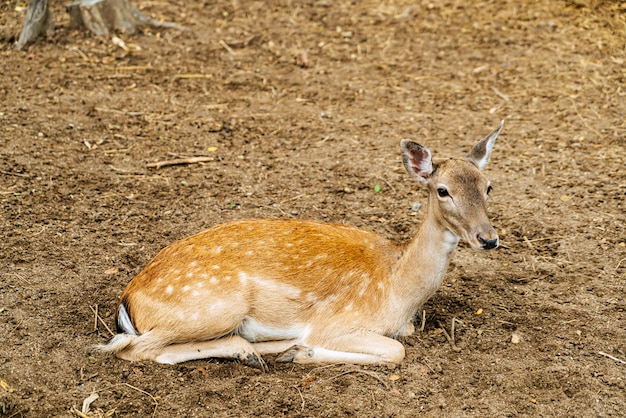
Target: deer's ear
<point>417,160</point>
<point>479,155</point>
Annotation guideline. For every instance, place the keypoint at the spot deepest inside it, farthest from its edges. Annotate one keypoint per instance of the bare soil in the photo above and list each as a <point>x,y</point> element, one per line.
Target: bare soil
<point>301,107</point>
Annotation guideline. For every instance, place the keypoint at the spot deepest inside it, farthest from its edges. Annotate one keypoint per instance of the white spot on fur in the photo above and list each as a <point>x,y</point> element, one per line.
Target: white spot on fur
<point>193,264</point>
<point>219,307</point>
<point>190,274</point>
<point>213,280</point>
<point>250,252</point>
<point>348,307</point>
<point>195,316</point>
<point>216,267</point>
<point>169,289</point>
<point>186,288</point>
<point>362,289</point>
<point>217,249</point>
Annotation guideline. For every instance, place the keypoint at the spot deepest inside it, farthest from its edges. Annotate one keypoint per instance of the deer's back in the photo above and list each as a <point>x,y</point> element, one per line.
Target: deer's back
<point>262,269</point>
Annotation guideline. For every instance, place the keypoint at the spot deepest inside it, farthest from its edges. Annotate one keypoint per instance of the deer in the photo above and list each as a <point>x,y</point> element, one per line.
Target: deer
<point>307,291</point>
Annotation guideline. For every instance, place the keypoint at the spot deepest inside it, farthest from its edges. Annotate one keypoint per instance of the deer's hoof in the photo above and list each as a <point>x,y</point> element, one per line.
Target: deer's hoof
<point>254,360</point>
<point>296,354</point>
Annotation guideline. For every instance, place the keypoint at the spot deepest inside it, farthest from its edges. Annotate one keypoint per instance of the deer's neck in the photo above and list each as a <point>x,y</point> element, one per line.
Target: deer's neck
<point>421,269</point>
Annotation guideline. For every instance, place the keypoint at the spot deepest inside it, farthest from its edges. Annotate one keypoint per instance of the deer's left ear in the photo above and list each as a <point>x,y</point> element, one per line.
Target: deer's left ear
<point>479,155</point>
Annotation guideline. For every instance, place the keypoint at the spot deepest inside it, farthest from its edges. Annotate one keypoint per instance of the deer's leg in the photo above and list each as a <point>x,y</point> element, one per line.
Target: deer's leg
<point>233,347</point>
<point>273,347</point>
<point>359,347</point>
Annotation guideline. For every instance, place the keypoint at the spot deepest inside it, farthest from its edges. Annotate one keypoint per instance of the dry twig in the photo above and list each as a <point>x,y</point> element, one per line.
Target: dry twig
<point>423,325</point>
<point>180,161</point>
<point>301,397</point>
<point>9,173</point>
<point>101,320</point>
<point>602,353</point>
<point>227,48</point>
<point>450,337</point>
<point>191,76</point>
<point>156,404</point>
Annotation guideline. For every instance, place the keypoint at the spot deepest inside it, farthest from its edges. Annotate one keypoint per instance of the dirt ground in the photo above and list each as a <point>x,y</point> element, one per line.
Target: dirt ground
<point>300,107</point>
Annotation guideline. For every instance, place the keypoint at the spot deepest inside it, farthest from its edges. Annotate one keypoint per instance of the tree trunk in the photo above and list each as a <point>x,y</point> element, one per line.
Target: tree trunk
<point>38,19</point>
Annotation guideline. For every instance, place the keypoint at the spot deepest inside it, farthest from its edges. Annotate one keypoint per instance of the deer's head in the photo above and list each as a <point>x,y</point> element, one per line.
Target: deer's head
<point>458,190</point>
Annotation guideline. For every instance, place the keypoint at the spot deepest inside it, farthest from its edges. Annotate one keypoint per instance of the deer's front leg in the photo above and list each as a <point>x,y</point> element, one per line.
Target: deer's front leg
<point>358,347</point>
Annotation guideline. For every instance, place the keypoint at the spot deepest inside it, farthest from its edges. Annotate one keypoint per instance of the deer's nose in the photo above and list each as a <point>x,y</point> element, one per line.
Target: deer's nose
<point>488,244</point>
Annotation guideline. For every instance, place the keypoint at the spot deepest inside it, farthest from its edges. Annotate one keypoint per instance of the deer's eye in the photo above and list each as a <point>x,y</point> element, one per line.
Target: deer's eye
<point>489,189</point>
<point>442,192</point>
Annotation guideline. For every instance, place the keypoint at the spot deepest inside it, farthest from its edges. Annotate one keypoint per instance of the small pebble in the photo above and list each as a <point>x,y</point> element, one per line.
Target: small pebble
<point>415,207</point>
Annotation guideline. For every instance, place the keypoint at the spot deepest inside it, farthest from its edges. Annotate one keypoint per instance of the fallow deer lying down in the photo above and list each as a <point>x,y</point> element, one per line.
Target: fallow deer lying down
<point>315,292</point>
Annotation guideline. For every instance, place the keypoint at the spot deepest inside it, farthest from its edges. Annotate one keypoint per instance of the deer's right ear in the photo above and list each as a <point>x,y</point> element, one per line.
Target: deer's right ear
<point>417,160</point>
